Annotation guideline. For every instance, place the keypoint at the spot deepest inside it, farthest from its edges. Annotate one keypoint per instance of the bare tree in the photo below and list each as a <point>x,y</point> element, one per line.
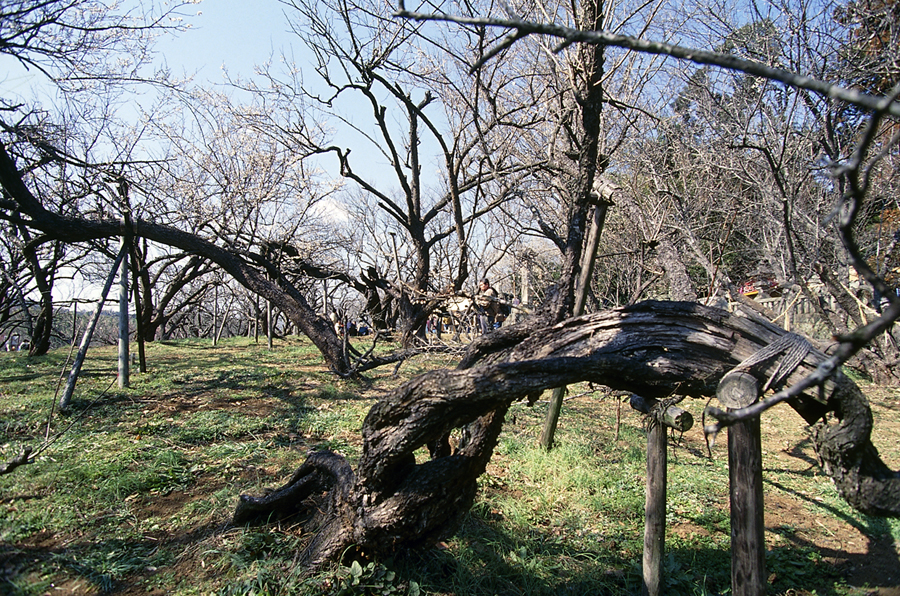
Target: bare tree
<point>81,43</point>
<point>392,502</point>
<point>438,134</point>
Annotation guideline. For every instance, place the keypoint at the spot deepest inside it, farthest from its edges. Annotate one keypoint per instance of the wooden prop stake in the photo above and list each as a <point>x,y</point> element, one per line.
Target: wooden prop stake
<point>748,546</point>
<point>123,375</point>
<point>581,291</point>
<point>66,398</point>
<point>655,493</point>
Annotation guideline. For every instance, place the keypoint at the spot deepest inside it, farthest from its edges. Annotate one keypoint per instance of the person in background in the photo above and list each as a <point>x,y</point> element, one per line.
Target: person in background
<point>486,306</point>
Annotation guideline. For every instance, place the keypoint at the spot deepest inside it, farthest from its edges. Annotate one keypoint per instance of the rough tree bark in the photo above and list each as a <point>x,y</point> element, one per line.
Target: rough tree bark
<point>652,348</point>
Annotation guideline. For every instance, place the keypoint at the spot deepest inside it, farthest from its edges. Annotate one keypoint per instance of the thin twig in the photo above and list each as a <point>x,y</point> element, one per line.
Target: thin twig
<point>727,61</point>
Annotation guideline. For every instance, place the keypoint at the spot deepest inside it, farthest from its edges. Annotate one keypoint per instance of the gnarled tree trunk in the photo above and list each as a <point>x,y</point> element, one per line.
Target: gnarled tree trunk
<point>653,349</point>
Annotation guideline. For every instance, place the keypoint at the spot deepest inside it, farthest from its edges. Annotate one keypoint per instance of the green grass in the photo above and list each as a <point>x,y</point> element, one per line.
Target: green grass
<point>137,490</point>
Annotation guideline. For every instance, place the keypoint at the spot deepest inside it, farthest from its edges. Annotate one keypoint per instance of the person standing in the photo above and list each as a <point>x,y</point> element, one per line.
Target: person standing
<point>486,306</point>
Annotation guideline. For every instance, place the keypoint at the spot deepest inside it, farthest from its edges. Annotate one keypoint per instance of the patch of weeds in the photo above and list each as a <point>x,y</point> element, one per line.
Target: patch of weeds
<point>373,578</point>
<point>26,585</point>
<point>333,426</point>
<point>229,451</point>
<point>105,564</point>
<point>266,580</point>
<point>329,392</point>
<point>207,427</point>
<point>259,543</point>
<point>18,522</point>
<point>790,566</point>
<point>695,493</point>
<point>693,567</point>
<point>713,520</point>
<point>160,471</point>
<point>126,469</point>
<point>261,562</point>
<point>857,376</point>
<point>207,508</point>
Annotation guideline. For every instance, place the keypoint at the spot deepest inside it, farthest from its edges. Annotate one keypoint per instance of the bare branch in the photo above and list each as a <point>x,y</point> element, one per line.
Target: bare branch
<point>728,61</point>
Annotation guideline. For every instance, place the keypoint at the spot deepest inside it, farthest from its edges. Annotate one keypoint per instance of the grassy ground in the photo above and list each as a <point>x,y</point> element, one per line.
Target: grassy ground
<point>136,493</point>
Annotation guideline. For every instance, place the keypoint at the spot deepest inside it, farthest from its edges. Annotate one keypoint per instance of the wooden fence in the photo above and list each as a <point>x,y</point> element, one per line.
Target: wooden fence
<point>794,311</point>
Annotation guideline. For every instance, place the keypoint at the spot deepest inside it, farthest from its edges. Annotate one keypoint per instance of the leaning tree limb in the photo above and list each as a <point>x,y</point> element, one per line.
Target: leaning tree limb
<point>655,349</point>
<point>20,206</point>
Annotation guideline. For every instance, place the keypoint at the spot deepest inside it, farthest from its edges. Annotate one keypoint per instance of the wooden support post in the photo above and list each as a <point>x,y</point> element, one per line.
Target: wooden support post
<point>123,368</point>
<point>74,322</point>
<point>748,546</point>
<point>552,419</point>
<point>66,398</point>
<point>655,493</point>
<point>655,510</point>
<point>138,318</point>
<point>581,292</point>
<point>256,320</point>
<point>270,334</point>
<point>215,322</point>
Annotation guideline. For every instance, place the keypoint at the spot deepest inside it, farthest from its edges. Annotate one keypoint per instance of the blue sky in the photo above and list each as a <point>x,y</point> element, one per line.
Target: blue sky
<point>239,35</point>
<point>236,34</point>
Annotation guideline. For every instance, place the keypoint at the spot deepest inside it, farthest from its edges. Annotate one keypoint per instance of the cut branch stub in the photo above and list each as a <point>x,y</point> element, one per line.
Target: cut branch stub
<point>738,390</point>
<point>674,417</point>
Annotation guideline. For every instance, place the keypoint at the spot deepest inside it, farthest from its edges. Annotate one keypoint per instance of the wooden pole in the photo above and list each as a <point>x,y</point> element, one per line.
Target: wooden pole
<point>215,325</point>
<point>590,257</point>
<point>654,510</point>
<point>581,291</point>
<point>270,334</point>
<point>655,490</point>
<point>256,320</point>
<point>123,376</point>
<point>225,315</point>
<point>138,319</point>
<point>66,398</point>
<point>525,297</point>
<point>74,322</point>
<point>748,547</point>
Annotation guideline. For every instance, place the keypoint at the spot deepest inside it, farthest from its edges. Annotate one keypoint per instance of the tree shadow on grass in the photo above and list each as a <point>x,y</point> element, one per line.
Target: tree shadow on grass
<point>879,564</point>
<point>490,561</point>
<point>107,566</point>
<point>487,561</point>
